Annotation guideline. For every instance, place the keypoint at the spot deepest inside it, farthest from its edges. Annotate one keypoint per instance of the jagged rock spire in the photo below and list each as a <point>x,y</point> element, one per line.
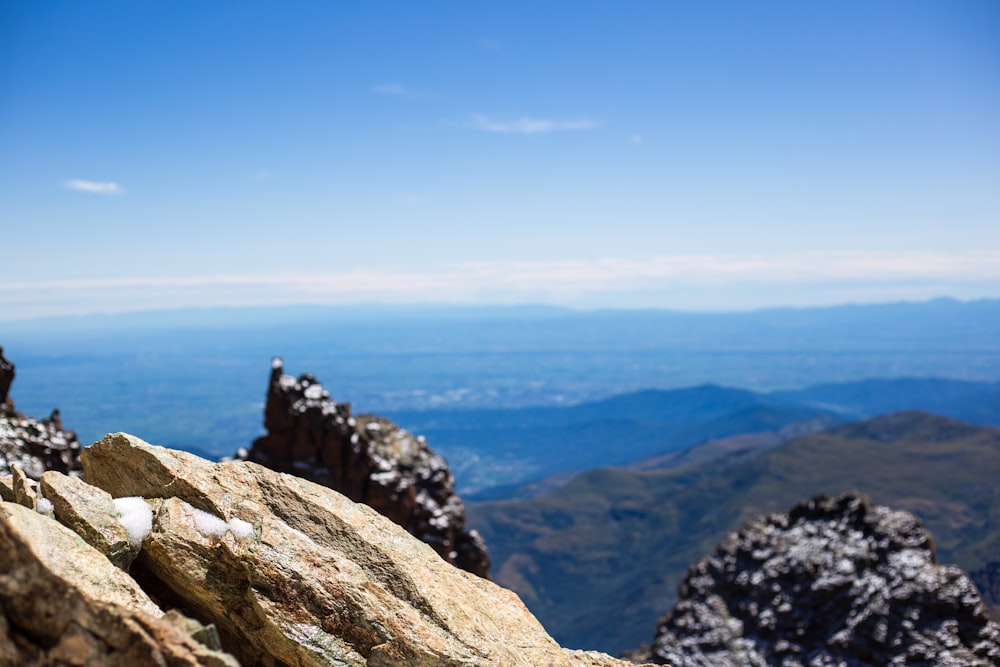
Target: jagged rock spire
<point>370,460</point>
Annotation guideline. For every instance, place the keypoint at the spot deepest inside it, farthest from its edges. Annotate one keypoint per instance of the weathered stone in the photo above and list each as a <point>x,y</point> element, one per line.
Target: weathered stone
<point>832,582</point>
<point>370,460</point>
<point>319,579</point>
<point>63,603</point>
<point>7,487</point>
<point>66,556</point>
<point>24,490</point>
<point>90,513</point>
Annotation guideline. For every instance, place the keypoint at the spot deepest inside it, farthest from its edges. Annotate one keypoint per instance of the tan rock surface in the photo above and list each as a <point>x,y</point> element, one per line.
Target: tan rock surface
<point>24,489</point>
<point>64,603</point>
<point>320,580</point>
<point>90,513</point>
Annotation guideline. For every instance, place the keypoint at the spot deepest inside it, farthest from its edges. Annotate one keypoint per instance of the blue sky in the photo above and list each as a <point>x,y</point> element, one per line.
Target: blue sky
<point>709,155</point>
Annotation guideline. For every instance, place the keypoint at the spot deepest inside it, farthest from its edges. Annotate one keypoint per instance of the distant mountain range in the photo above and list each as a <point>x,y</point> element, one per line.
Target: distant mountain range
<point>622,539</point>
<point>509,453</point>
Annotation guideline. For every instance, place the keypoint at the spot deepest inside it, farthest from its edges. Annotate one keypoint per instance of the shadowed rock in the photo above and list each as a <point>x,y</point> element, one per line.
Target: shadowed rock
<point>987,579</point>
<point>6,379</point>
<point>31,444</point>
<point>836,581</point>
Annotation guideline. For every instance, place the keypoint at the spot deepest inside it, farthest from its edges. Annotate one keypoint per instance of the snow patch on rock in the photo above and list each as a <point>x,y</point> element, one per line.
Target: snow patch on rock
<point>136,517</point>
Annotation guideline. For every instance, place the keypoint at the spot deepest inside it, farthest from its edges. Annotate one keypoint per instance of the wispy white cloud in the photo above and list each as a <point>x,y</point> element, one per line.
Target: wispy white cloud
<point>396,90</point>
<point>528,125</point>
<point>95,187</point>
<point>695,282</point>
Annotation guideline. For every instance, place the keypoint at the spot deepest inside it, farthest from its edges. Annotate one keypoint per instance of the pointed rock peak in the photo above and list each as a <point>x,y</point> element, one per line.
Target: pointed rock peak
<point>370,460</point>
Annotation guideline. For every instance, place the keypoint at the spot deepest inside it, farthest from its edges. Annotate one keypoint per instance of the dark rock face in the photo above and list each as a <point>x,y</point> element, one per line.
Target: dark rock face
<point>836,581</point>
<point>32,444</point>
<point>987,579</point>
<point>6,379</point>
<point>368,459</point>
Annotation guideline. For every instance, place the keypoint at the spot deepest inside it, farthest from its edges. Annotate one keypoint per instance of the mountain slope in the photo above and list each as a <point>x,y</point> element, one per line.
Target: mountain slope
<point>501,453</point>
<point>510,447</point>
<point>622,539</point>
<point>974,402</point>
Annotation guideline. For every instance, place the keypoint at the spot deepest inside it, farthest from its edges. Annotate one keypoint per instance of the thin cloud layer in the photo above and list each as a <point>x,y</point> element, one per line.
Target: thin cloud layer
<point>694,282</point>
<point>95,187</point>
<point>529,125</point>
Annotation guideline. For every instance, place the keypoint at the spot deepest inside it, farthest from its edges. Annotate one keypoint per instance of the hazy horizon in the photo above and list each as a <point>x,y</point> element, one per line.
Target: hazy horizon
<point>215,314</point>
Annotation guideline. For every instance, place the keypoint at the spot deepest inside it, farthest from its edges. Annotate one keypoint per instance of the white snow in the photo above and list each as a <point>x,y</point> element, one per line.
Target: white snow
<point>136,517</point>
<point>215,528</point>
<point>43,506</point>
<point>241,530</point>
<point>208,524</point>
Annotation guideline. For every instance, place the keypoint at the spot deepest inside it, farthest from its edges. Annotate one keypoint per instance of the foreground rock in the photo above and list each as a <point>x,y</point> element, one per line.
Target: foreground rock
<point>832,582</point>
<point>368,459</point>
<point>64,603</point>
<point>34,445</point>
<point>293,573</point>
<point>91,514</point>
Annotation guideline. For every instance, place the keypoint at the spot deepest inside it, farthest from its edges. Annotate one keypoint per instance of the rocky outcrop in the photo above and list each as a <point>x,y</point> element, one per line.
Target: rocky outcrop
<point>281,571</point>
<point>63,603</point>
<point>33,445</point>
<point>368,459</point>
<point>836,581</point>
